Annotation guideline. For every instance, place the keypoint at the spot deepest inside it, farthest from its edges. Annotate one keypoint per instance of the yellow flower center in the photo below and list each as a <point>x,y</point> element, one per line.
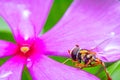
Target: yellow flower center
<point>24,49</point>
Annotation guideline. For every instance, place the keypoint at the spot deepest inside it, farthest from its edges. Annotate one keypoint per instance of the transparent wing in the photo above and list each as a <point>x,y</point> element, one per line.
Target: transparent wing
<point>109,49</point>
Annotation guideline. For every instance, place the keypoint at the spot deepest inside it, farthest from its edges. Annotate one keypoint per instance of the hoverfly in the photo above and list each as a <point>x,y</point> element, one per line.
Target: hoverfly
<point>85,58</point>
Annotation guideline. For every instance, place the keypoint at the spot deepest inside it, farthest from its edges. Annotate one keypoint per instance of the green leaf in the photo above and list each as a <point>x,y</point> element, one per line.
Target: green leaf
<point>92,70</point>
<point>4,26</point>
<point>3,60</point>
<point>58,9</point>
<point>5,32</point>
<point>26,75</point>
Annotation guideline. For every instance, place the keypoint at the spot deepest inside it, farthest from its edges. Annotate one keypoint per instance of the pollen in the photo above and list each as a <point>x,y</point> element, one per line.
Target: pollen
<point>24,49</point>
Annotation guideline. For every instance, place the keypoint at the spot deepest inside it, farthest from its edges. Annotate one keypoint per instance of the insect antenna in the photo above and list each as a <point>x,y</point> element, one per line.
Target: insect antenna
<point>77,45</point>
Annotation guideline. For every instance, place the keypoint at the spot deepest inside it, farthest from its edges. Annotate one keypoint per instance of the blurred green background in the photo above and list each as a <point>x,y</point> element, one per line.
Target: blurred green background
<point>58,9</point>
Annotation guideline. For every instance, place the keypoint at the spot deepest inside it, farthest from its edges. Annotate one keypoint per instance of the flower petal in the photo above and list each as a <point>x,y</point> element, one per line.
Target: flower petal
<point>26,18</point>
<point>86,23</point>
<point>45,68</point>
<point>109,50</point>
<point>7,48</point>
<point>12,69</point>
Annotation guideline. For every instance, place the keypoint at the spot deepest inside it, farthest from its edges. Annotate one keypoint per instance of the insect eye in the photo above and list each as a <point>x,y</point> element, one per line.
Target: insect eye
<point>74,53</point>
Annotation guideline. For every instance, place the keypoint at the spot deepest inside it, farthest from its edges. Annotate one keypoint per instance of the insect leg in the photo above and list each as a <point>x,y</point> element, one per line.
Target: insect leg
<point>66,60</point>
<point>107,74</point>
<point>95,64</point>
<point>79,65</point>
<point>86,64</point>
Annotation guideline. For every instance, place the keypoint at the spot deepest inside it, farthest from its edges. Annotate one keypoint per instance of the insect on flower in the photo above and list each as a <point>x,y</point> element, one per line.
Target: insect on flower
<point>85,58</point>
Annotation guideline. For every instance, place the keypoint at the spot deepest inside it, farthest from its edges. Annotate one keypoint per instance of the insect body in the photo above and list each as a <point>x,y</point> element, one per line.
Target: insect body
<point>86,58</point>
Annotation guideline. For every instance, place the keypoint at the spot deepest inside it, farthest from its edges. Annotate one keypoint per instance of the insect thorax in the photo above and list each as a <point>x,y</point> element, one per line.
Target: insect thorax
<point>84,56</point>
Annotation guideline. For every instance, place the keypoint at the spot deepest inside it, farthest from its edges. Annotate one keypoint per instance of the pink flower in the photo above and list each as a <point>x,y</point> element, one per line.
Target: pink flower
<point>26,19</point>
<point>86,22</point>
<point>91,24</point>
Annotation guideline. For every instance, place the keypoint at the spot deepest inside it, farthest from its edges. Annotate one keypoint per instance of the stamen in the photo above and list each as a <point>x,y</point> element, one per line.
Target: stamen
<point>24,49</point>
